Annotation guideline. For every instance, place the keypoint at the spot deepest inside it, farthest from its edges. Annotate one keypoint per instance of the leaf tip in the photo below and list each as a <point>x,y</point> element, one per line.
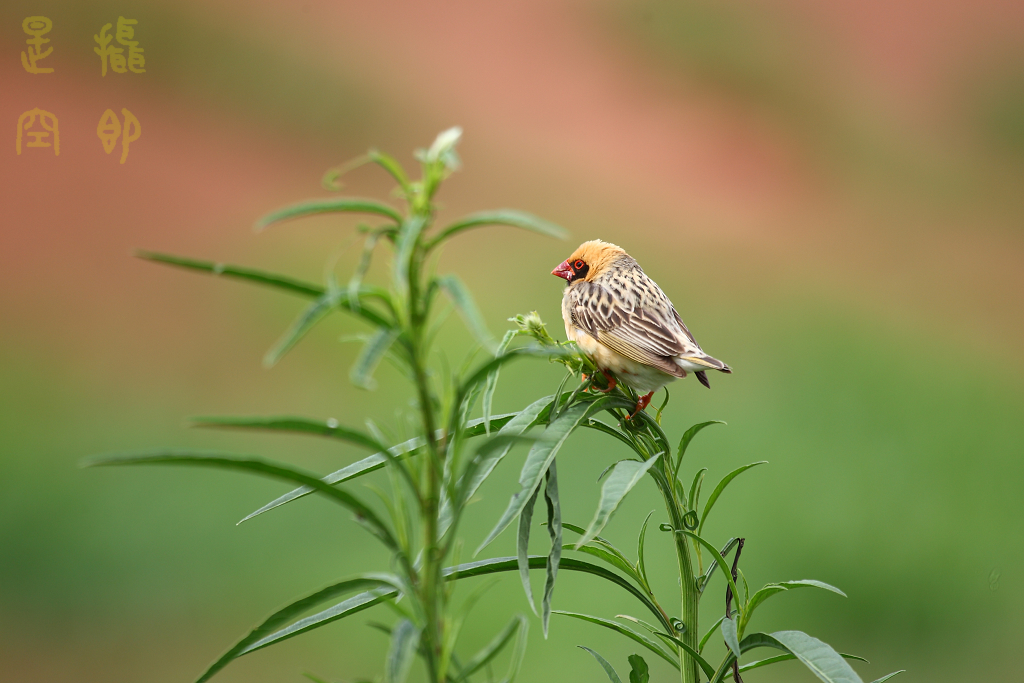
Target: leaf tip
<point>248,517</point>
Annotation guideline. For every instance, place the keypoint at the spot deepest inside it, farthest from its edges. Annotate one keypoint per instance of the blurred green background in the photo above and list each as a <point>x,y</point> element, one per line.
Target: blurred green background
<point>829,192</point>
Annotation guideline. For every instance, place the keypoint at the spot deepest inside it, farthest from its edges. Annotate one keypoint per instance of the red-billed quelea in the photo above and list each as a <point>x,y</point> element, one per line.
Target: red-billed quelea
<point>622,320</point>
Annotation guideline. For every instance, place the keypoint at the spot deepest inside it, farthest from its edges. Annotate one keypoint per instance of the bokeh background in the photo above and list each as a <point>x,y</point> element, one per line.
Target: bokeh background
<point>830,192</point>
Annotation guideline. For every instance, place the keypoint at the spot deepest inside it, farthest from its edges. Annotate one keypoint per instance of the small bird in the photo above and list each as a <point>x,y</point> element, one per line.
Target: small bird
<point>622,320</point>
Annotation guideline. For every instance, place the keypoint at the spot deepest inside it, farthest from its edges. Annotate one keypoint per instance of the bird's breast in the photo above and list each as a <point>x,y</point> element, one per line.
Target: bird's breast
<point>642,378</point>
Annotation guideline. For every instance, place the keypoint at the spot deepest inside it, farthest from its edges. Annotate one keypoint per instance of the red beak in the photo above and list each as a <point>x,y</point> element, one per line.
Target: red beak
<point>563,270</point>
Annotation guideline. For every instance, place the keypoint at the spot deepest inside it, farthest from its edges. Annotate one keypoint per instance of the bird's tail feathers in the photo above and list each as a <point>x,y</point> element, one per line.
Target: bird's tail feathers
<point>708,362</point>
<point>702,377</point>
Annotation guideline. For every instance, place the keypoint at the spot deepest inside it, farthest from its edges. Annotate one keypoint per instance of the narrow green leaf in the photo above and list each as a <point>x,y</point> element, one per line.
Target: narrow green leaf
<point>391,165</point>
<point>539,459</point>
<point>505,564</point>
<point>343,609</point>
<point>233,462</point>
<point>885,678</point>
<point>523,549</point>
<point>460,411</point>
<point>773,588</point>
<point>610,431</point>
<point>491,650</point>
<point>669,641</point>
<point>356,469</point>
<point>283,615</point>
<point>331,181</point>
<point>486,460</point>
<point>483,371</point>
<point>704,665</point>
<point>405,246</point>
<point>555,533</point>
<point>623,477</point>
<point>717,557</point>
<point>788,657</point>
<point>404,640</point>
<point>729,634</point>
<point>331,205</point>
<point>602,553</point>
<point>811,583</point>
<point>609,671</point>
<point>639,672</point>
<point>282,282</point>
<point>490,450</point>
<point>703,581</point>
<point>752,641</point>
<point>755,600</point>
<point>518,651</point>
<point>516,219</point>
<point>365,258</point>
<point>362,370</point>
<point>316,312</point>
<point>721,487</point>
<point>372,464</point>
<point>698,481</point>
<point>297,425</point>
<point>557,402</point>
<point>707,636</point>
<point>628,632</point>
<point>463,571</point>
<point>827,664</point>
<point>492,380</point>
<point>464,304</point>
<point>604,550</point>
<point>313,677</point>
<point>819,657</point>
<point>688,437</point>
<point>641,568</point>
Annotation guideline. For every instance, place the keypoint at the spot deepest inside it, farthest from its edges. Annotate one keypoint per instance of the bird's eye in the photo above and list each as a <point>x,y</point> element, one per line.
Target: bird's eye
<point>578,265</point>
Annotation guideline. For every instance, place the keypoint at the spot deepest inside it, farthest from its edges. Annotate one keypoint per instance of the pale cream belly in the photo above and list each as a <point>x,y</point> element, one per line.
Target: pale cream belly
<point>639,377</point>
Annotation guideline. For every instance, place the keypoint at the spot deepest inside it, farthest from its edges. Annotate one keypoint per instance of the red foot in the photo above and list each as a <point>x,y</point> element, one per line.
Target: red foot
<point>641,403</point>
<point>612,383</point>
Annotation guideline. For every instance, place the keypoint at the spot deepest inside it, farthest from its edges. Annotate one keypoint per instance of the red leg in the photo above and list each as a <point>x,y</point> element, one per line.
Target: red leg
<point>642,403</point>
<point>612,383</point>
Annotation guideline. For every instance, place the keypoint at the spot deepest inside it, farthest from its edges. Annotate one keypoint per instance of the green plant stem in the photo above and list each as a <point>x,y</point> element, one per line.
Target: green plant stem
<point>431,592</point>
<point>432,560</point>
<point>689,671</point>
<point>653,442</point>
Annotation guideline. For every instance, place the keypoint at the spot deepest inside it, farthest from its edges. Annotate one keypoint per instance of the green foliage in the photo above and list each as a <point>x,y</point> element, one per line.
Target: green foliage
<point>439,471</point>
<point>628,632</point>
<point>405,638</point>
<point>651,455</point>
<point>624,475</point>
<point>516,631</point>
<point>609,671</point>
<point>435,473</point>
<point>638,672</point>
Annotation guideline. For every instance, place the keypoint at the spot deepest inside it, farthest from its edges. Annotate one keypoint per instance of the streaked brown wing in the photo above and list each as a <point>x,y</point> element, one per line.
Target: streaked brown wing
<point>644,333</point>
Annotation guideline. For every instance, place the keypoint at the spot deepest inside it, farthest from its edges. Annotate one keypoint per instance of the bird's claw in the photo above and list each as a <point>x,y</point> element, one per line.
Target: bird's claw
<point>642,403</point>
<point>612,383</point>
